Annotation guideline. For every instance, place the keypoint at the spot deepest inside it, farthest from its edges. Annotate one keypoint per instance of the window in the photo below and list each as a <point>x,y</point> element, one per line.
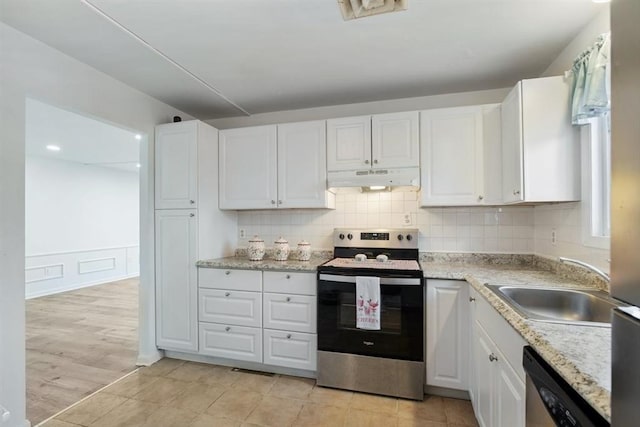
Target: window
<point>596,181</point>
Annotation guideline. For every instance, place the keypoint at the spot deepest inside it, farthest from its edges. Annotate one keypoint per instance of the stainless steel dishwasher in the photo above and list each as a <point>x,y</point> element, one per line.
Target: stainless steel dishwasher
<point>551,401</point>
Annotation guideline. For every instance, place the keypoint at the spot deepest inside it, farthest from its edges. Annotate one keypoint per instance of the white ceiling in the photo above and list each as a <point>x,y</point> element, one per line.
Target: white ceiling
<point>80,138</point>
<point>264,56</point>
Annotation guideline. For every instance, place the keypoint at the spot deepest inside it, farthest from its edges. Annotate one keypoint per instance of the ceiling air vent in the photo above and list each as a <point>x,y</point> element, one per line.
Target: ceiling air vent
<point>352,9</point>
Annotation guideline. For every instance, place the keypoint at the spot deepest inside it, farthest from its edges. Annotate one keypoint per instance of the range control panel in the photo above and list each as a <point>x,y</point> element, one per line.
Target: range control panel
<point>402,238</point>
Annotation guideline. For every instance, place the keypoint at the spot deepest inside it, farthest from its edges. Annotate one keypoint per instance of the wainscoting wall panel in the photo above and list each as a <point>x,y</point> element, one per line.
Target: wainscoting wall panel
<point>59,272</point>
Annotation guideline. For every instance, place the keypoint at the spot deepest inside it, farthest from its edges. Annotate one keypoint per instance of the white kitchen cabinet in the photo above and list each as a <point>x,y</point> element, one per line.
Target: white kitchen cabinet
<point>455,145</point>
<point>447,333</point>
<point>381,141</point>
<point>290,349</point>
<point>497,389</point>
<point>231,342</point>
<point>287,282</point>
<point>394,140</point>
<point>275,166</point>
<point>232,307</point>
<point>289,312</point>
<point>176,148</point>
<point>230,279</point>
<point>176,279</point>
<point>540,147</point>
<point>248,168</point>
<point>186,171</point>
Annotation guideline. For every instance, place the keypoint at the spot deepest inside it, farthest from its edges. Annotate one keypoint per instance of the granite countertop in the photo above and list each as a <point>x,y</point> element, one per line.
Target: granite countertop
<point>242,262</point>
<point>580,354</point>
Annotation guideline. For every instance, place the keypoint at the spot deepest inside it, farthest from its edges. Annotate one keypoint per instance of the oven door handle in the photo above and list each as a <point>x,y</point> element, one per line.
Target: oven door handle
<point>403,281</point>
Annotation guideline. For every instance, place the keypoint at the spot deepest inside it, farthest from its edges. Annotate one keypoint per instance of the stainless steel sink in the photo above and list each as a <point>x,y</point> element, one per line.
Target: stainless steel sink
<point>559,305</point>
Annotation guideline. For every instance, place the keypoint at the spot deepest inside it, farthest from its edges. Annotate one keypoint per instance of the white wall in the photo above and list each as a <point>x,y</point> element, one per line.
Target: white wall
<point>29,68</point>
<point>566,218</point>
<point>81,220</point>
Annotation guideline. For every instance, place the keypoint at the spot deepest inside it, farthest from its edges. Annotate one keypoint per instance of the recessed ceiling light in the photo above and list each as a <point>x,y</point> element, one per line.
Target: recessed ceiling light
<point>138,165</point>
<point>53,148</point>
<point>138,136</point>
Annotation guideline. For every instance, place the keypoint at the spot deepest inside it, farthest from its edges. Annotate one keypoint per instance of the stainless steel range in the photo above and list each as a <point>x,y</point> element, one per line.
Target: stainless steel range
<point>371,314</point>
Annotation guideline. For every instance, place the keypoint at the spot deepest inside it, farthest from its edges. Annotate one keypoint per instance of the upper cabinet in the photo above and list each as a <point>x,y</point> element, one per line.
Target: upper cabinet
<point>379,141</point>
<point>176,165</point>
<point>540,147</point>
<point>275,166</point>
<point>460,149</point>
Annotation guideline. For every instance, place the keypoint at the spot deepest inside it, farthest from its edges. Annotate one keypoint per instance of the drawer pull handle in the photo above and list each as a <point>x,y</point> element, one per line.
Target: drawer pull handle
<point>288,336</point>
<point>227,329</point>
<point>288,276</point>
<point>226,294</point>
<point>227,272</point>
<point>288,299</point>
<point>492,358</point>
<point>471,299</point>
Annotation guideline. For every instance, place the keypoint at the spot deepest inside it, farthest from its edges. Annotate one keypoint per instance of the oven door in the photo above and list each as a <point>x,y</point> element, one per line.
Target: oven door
<point>401,318</point>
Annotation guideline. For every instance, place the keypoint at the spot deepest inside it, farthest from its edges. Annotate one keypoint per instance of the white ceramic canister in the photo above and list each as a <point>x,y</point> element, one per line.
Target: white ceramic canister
<point>304,251</point>
<point>256,249</point>
<point>281,249</point>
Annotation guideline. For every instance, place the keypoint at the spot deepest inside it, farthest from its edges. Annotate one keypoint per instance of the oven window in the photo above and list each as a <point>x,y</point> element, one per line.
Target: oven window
<point>390,315</point>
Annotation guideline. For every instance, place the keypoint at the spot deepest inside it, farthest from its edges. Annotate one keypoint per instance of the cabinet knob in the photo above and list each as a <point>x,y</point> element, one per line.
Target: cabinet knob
<point>193,202</point>
<point>227,272</point>
<point>492,358</point>
<point>375,162</point>
<point>480,197</point>
<point>366,162</point>
<point>192,215</point>
<point>227,328</point>
<point>471,299</point>
<point>273,202</point>
<point>288,336</point>
<point>288,276</point>
<point>516,192</point>
<point>288,299</point>
<point>279,202</point>
<point>226,294</point>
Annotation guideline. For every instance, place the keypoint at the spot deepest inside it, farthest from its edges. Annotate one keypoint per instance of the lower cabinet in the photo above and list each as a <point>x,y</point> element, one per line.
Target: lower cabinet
<point>231,342</point>
<point>447,333</point>
<point>497,388</point>
<point>290,349</point>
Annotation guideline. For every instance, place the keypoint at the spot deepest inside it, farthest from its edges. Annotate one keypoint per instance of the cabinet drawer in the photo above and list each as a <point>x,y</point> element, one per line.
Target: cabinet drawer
<point>290,283</point>
<point>238,280</point>
<point>290,312</point>
<point>502,333</point>
<point>232,307</point>
<point>290,349</point>
<point>231,342</point>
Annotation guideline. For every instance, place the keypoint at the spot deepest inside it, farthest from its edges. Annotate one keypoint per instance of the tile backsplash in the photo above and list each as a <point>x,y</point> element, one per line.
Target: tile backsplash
<point>466,229</point>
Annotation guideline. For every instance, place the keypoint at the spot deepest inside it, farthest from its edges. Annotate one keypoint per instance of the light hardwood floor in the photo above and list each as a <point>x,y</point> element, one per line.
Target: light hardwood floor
<point>78,342</point>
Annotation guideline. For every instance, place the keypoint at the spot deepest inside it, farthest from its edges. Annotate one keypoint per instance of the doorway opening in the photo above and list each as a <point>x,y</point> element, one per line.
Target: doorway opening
<point>82,260</point>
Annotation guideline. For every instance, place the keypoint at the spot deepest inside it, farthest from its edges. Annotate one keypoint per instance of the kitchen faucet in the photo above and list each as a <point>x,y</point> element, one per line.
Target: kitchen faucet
<point>596,270</point>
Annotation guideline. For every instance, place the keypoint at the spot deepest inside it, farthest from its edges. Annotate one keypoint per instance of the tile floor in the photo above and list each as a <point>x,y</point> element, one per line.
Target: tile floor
<point>176,393</point>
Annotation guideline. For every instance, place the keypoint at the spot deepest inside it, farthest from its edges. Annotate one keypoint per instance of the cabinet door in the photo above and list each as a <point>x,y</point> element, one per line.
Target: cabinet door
<point>287,282</point>
<point>452,156</point>
<point>290,349</point>
<point>290,312</point>
<point>248,174</point>
<point>512,170</point>
<point>176,165</point>
<point>349,143</point>
<point>302,165</point>
<point>447,333</point>
<point>485,375</point>
<point>492,153</point>
<point>176,280</point>
<point>231,307</point>
<point>231,342</point>
<point>510,396</point>
<point>394,140</point>
<point>473,385</point>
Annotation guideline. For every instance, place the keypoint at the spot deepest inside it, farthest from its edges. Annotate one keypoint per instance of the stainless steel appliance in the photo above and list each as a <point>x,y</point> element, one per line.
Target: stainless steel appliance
<point>389,361</point>
<point>551,401</point>
<point>625,211</point>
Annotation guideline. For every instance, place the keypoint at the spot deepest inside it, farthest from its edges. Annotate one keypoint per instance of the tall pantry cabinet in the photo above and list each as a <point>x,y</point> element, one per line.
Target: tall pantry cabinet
<point>188,226</point>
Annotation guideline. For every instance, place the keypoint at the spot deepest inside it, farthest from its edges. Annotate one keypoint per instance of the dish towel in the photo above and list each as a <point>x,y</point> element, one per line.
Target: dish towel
<point>368,303</point>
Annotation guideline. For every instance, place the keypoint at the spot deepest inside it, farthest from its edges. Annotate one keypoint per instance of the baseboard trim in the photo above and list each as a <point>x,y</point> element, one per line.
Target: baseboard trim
<point>149,359</point>
<point>80,286</point>
<point>446,392</point>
